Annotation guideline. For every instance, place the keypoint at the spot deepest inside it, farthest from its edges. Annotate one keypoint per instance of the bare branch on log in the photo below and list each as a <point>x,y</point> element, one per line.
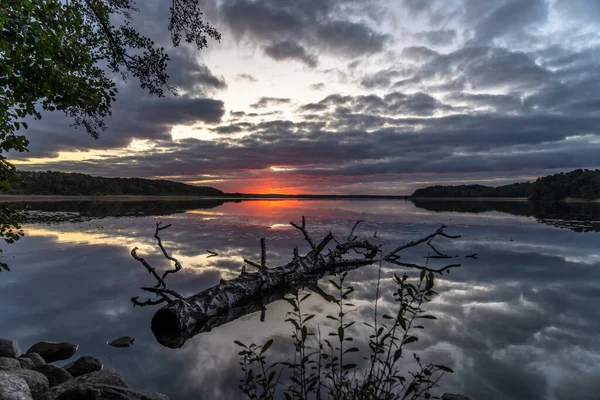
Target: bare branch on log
<point>422,267</point>
<point>148,267</point>
<point>146,303</point>
<point>393,255</point>
<point>252,263</point>
<point>263,253</point>
<point>175,261</point>
<point>161,289</point>
<point>183,318</point>
<point>212,254</point>
<point>306,236</point>
<point>351,235</point>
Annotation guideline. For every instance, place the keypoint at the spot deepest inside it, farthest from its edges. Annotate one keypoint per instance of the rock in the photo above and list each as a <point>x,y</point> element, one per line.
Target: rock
<point>96,391</point>
<point>36,358</point>
<point>124,341</point>
<point>55,375</point>
<point>54,351</point>
<point>9,364</point>
<point>108,377</point>
<point>26,363</point>
<point>13,387</point>
<point>37,382</point>
<point>9,348</point>
<point>83,365</point>
<point>450,396</point>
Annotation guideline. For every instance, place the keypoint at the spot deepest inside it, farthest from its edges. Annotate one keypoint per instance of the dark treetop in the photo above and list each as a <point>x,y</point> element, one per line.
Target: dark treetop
<point>73,184</point>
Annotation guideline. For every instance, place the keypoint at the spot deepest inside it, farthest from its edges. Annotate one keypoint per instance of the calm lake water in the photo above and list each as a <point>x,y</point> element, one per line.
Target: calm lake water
<point>519,322</point>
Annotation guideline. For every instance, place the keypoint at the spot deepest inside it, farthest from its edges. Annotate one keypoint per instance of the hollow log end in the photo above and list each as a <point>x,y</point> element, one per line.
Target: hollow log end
<point>167,328</point>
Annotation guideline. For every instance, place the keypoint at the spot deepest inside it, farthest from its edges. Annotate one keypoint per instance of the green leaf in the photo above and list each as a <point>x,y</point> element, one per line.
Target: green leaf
<point>397,354</point>
<point>266,346</point>
<point>410,339</point>
<point>444,368</point>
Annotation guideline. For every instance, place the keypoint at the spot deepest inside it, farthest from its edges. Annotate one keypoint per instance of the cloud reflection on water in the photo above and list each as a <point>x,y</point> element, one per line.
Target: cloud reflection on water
<point>515,324</point>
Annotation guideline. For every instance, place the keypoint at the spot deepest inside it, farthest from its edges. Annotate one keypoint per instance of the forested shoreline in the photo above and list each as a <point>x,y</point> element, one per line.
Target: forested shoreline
<point>579,184</point>
<point>74,184</point>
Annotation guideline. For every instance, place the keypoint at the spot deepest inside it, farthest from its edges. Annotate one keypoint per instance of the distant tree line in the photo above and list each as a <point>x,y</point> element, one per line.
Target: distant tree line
<point>523,189</point>
<point>74,184</point>
<point>580,183</point>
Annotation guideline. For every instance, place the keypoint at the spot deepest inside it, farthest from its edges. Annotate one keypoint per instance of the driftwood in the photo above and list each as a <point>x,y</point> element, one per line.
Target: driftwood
<point>183,317</point>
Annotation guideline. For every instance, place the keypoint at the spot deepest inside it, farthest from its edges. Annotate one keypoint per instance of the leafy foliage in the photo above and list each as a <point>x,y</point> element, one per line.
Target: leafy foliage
<point>327,367</point>
<point>56,55</point>
<point>75,184</point>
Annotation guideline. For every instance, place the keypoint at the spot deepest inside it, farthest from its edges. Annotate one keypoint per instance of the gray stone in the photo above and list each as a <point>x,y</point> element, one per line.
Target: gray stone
<point>83,365</point>
<point>124,341</point>
<point>101,392</point>
<point>108,377</point>
<point>26,363</point>
<point>9,348</point>
<point>54,351</point>
<point>450,396</point>
<point>13,387</point>
<point>55,375</point>
<point>37,382</point>
<point>9,364</point>
<point>35,357</point>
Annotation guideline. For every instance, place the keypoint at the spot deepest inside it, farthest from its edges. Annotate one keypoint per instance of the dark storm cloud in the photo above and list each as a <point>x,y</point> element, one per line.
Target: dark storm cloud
<point>290,50</point>
<point>351,38</point>
<point>498,102</point>
<point>417,6</point>
<point>308,22</point>
<point>483,67</point>
<point>381,79</point>
<point>511,17</point>
<point>135,116</point>
<point>187,73</point>
<point>246,77</point>
<point>184,110</point>
<point>419,53</point>
<point>440,37</point>
<point>264,102</point>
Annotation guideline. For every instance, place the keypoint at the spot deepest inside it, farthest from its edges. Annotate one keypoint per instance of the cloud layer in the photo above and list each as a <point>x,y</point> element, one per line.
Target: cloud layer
<point>343,96</point>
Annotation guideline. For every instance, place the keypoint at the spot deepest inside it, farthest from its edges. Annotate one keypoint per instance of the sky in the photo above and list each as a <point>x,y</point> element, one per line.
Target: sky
<point>353,97</point>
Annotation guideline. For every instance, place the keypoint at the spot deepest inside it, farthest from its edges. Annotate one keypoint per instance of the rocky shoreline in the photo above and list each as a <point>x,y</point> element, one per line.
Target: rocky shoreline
<point>31,375</point>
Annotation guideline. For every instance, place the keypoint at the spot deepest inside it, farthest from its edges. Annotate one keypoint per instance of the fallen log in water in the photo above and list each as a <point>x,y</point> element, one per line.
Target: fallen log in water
<point>184,317</point>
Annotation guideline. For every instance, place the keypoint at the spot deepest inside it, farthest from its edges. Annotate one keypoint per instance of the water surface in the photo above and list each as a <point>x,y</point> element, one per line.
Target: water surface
<point>520,322</point>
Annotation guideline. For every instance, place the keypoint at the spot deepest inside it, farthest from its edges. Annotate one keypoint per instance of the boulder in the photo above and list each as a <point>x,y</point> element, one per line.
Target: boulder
<point>108,377</point>
<point>54,351</point>
<point>9,364</point>
<point>9,348</point>
<point>124,341</point>
<point>100,392</point>
<point>35,357</point>
<point>83,365</point>
<point>13,387</point>
<point>26,363</point>
<point>450,396</point>
<point>55,375</point>
<point>37,382</point>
